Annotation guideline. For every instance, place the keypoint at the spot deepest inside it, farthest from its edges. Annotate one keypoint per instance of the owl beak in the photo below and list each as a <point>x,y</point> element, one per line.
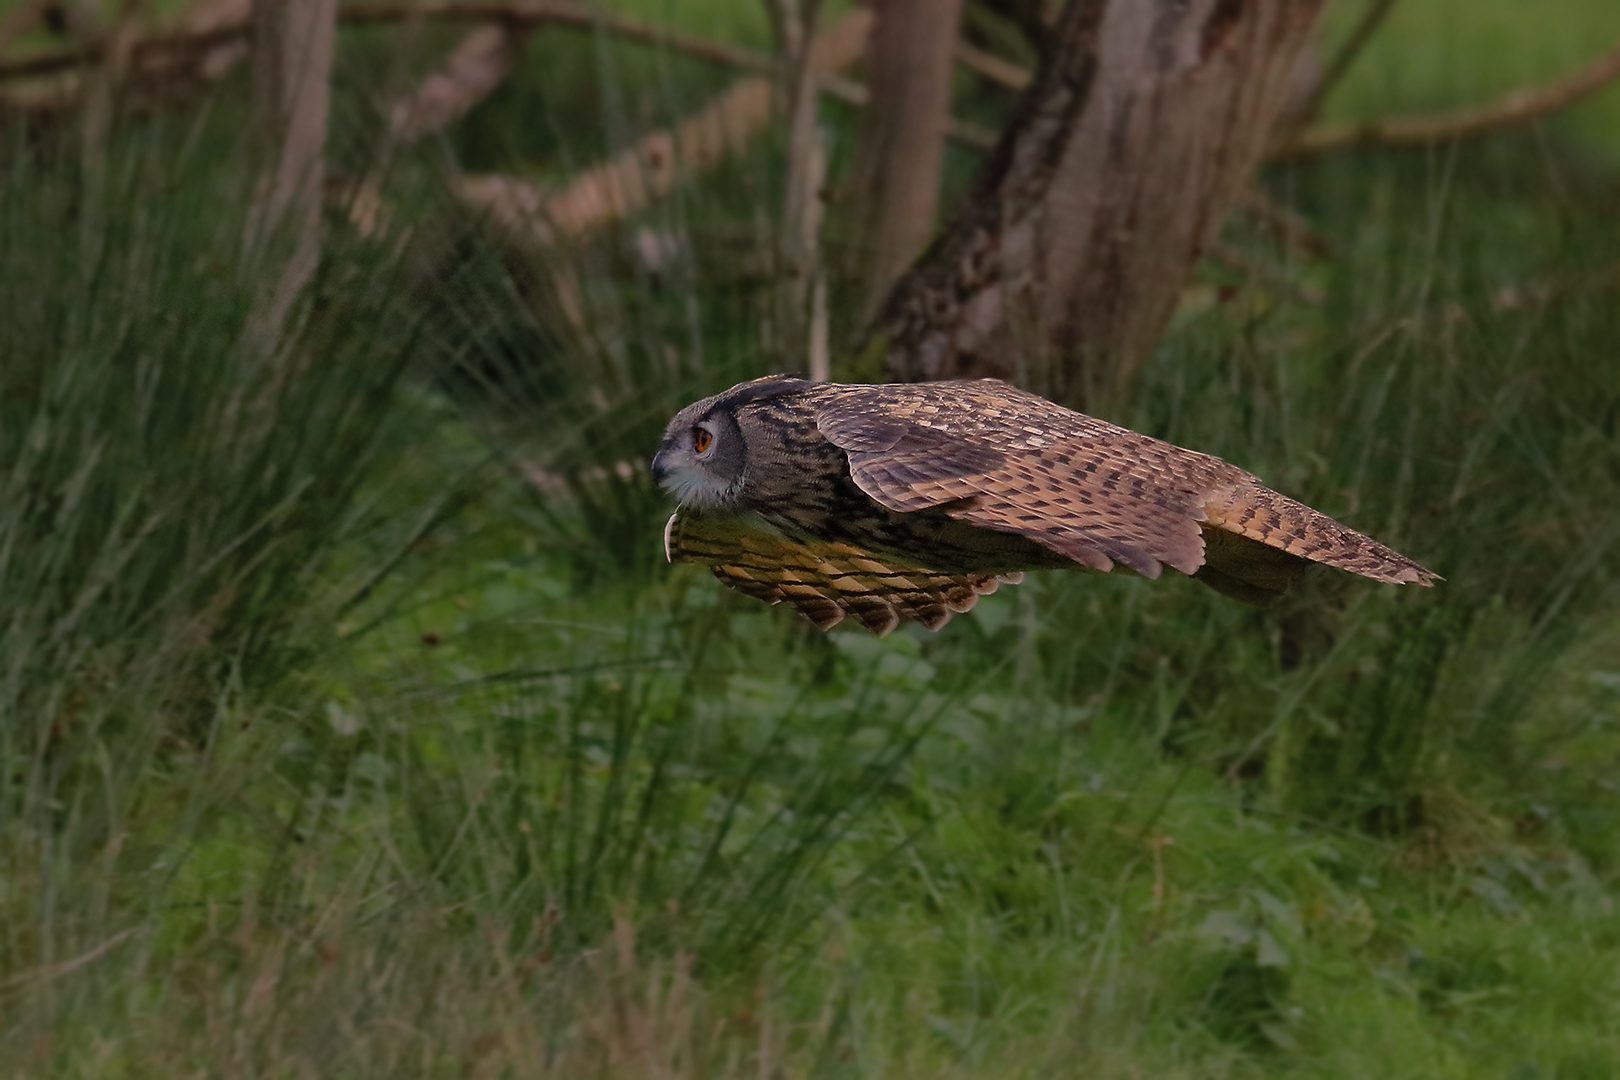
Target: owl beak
<point>660,464</point>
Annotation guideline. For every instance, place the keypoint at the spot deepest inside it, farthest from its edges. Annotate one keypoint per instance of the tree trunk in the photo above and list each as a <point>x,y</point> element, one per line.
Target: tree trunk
<point>895,185</point>
<point>959,310</point>
<point>1146,120</point>
<point>292,66</point>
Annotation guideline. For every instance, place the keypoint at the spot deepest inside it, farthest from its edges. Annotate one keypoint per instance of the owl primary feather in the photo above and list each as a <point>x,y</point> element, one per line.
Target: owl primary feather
<point>912,500</point>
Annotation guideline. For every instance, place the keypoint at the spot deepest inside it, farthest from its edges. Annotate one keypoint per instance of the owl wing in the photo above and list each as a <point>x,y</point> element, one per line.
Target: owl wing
<point>996,457</point>
<point>824,580</point>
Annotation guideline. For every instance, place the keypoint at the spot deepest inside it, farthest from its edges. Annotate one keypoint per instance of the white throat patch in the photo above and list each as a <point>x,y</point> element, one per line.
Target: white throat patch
<point>692,486</point>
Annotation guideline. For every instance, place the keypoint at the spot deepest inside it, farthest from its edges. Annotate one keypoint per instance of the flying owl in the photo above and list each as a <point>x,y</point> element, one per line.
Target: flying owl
<point>912,500</point>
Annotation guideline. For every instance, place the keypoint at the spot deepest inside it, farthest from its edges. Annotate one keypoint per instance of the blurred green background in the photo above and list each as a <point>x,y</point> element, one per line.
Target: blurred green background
<point>352,723</point>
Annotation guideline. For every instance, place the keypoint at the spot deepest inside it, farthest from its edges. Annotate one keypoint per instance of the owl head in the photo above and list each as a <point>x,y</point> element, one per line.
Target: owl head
<point>704,456</point>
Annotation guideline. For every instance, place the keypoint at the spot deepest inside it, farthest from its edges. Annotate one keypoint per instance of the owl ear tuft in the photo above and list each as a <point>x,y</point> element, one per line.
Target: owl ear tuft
<point>760,389</point>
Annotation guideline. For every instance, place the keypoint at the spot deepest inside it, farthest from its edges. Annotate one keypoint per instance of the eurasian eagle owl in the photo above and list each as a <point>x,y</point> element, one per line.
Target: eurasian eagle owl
<point>911,500</point>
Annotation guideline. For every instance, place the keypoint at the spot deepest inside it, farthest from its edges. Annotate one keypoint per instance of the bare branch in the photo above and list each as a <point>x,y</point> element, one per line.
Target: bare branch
<point>52,972</point>
<point>146,75</point>
<point>989,66</point>
<point>470,73</point>
<point>1518,107</point>
<point>1371,19</point>
<point>633,179</point>
<point>202,15</point>
<point>213,39</point>
<point>144,50</point>
<point>518,14</point>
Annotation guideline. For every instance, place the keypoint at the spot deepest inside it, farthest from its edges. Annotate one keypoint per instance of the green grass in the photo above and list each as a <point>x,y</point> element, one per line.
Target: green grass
<point>354,726</point>
<point>1436,55</point>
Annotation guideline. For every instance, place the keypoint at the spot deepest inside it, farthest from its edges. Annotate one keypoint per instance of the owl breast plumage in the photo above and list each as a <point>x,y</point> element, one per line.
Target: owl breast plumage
<point>911,500</point>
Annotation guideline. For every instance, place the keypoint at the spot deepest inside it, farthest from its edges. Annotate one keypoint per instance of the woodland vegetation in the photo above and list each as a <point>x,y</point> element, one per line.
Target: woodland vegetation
<point>352,724</point>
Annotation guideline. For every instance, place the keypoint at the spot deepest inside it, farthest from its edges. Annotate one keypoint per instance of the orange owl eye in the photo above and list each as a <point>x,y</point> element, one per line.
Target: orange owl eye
<point>701,439</point>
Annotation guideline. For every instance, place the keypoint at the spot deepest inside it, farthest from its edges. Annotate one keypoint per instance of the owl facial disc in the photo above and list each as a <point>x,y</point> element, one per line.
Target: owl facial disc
<point>700,460</point>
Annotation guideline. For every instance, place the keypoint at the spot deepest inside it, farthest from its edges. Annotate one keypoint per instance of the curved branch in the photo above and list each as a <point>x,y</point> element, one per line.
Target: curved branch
<point>143,50</point>
<point>517,14</point>
<point>1517,107</point>
<point>632,179</point>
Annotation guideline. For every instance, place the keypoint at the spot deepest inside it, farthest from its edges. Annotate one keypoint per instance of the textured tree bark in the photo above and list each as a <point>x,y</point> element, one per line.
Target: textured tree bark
<point>956,313</point>
<point>292,66</point>
<point>895,184</point>
<point>1066,277</point>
